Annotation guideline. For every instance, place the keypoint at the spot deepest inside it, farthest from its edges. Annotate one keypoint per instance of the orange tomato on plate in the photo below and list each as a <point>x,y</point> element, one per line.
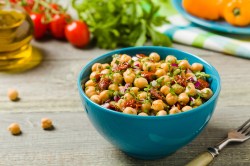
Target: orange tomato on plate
<point>235,12</point>
<point>207,9</point>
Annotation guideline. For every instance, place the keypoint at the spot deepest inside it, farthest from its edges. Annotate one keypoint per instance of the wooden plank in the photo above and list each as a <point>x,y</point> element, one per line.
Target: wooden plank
<point>76,142</point>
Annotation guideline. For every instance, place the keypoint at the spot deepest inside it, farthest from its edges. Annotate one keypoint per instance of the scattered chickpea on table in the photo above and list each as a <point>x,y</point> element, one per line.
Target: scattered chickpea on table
<point>14,128</point>
<point>13,94</point>
<point>46,123</point>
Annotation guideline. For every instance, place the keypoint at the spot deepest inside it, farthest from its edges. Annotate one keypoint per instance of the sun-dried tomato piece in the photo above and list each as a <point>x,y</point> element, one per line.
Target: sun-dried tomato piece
<point>123,66</point>
<point>156,94</point>
<point>201,84</point>
<point>178,105</point>
<point>98,77</point>
<point>140,55</point>
<point>104,84</point>
<point>138,105</point>
<point>130,103</point>
<point>150,76</point>
<point>133,103</point>
<point>180,80</point>
<point>113,107</point>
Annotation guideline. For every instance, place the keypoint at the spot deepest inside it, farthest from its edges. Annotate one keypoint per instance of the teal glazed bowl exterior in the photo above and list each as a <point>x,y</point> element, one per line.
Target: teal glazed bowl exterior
<point>150,137</point>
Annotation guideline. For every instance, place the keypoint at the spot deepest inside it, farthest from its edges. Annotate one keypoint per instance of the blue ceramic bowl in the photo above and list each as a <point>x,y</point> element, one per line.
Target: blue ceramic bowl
<point>150,137</point>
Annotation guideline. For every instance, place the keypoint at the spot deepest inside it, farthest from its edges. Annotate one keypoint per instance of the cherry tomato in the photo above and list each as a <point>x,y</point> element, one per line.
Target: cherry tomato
<point>55,6</point>
<point>77,33</point>
<point>13,1</point>
<point>27,5</point>
<point>58,24</point>
<point>39,27</point>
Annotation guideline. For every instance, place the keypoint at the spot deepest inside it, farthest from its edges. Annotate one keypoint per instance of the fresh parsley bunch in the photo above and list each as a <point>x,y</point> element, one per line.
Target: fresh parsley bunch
<point>116,23</point>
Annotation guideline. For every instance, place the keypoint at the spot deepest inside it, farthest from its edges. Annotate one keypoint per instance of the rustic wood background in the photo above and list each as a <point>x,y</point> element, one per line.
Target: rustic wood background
<point>50,90</point>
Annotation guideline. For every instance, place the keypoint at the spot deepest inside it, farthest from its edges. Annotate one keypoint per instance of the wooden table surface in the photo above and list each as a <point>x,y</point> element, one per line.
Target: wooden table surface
<point>50,90</point>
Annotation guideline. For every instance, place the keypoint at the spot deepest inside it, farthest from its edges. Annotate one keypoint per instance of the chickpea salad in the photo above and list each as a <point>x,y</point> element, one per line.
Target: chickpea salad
<point>147,85</point>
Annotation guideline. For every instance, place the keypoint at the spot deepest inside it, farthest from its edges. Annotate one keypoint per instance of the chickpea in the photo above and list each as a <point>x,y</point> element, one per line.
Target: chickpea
<point>171,59</point>
<point>174,110</point>
<point>137,71</point>
<point>134,90</point>
<point>130,110</point>
<point>206,93</point>
<point>128,96</point>
<point>96,99</point>
<point>128,71</point>
<point>15,129</point>
<point>143,114</point>
<point>178,89</point>
<point>183,99</point>
<point>161,113</point>
<point>158,105</point>
<point>146,106</point>
<point>165,67</point>
<point>114,87</point>
<point>117,78</point>
<point>160,72</point>
<point>125,58</point>
<point>141,82</point>
<point>90,91</point>
<point>198,102</point>
<point>158,65</point>
<point>171,99</point>
<point>165,89</point>
<point>142,95</point>
<point>13,95</point>
<point>114,62</point>
<point>90,83</point>
<point>121,103</point>
<point>104,95</point>
<point>105,65</point>
<point>188,75</point>
<point>145,59</point>
<point>148,66</point>
<point>184,64</point>
<point>186,108</point>
<point>137,64</point>
<point>105,71</point>
<point>93,75</point>
<point>196,67</point>
<point>129,78</point>
<point>122,89</point>
<point>155,57</point>
<point>165,80</point>
<point>176,72</point>
<point>97,67</point>
<point>46,123</point>
<point>190,89</point>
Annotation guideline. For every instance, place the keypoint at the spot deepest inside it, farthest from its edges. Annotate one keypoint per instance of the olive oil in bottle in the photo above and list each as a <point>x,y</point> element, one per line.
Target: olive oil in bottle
<point>16,31</point>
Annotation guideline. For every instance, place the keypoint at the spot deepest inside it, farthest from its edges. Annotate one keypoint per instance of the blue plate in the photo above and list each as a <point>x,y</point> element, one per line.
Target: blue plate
<point>220,26</point>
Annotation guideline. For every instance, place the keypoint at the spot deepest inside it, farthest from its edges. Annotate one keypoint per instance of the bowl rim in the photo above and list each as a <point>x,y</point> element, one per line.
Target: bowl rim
<point>192,111</point>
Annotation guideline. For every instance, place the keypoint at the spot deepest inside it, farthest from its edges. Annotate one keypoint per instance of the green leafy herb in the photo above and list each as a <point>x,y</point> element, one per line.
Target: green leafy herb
<point>172,91</point>
<point>202,75</point>
<point>116,23</point>
<point>176,72</point>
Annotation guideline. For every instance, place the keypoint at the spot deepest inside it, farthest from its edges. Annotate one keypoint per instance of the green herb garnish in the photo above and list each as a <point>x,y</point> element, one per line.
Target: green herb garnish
<point>116,23</point>
<point>202,75</point>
